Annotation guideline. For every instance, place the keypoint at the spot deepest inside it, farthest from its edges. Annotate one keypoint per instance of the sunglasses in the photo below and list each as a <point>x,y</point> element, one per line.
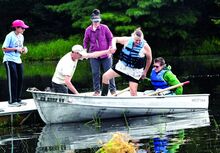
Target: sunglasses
<point>156,66</point>
<point>21,28</point>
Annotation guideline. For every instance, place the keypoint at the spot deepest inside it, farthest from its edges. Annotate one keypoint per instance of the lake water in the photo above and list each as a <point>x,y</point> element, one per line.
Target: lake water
<point>196,132</point>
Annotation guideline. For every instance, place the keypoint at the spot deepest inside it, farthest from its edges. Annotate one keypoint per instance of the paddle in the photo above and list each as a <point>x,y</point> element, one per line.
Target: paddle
<point>122,91</point>
<point>169,88</point>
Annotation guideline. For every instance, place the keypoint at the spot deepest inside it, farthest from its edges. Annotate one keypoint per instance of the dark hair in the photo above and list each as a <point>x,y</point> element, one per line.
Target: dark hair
<point>95,12</point>
<point>160,60</point>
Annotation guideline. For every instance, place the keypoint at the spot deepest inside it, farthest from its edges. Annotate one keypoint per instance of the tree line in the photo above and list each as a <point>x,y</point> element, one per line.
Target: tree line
<point>171,27</point>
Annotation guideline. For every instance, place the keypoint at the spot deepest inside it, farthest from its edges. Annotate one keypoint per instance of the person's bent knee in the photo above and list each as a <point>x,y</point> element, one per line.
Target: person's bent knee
<point>105,78</point>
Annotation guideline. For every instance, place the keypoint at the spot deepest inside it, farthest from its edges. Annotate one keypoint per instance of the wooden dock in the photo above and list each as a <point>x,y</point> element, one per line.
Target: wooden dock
<point>5,110</point>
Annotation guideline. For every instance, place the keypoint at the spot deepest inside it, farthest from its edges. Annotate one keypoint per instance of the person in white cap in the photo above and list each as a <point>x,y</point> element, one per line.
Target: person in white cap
<point>13,48</point>
<point>66,67</point>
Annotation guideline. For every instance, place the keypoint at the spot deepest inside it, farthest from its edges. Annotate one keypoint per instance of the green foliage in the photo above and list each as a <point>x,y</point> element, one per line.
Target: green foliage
<point>168,24</point>
<point>125,30</point>
<point>119,18</point>
<point>153,3</point>
<point>209,46</point>
<point>51,50</point>
<point>170,21</point>
<point>79,10</point>
<point>216,21</point>
<point>135,12</point>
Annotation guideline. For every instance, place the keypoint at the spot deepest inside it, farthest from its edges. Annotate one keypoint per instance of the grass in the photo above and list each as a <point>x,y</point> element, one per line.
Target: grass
<point>55,49</point>
<point>50,50</point>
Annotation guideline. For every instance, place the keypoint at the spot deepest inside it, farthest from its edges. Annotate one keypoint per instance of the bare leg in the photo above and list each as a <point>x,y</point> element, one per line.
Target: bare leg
<point>133,88</point>
<point>109,75</point>
<point>105,80</point>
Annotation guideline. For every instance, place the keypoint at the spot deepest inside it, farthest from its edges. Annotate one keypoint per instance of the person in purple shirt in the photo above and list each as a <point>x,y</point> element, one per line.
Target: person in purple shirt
<point>98,37</point>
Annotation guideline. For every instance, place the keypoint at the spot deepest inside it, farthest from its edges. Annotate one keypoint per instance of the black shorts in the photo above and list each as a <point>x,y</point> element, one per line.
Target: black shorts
<point>127,77</point>
<point>60,88</point>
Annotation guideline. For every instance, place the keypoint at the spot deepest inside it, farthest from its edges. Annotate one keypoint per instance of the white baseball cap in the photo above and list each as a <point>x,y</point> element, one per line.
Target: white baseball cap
<point>79,49</point>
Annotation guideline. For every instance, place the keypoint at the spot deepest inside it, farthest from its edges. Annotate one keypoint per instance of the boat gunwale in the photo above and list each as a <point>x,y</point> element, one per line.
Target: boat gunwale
<point>116,97</point>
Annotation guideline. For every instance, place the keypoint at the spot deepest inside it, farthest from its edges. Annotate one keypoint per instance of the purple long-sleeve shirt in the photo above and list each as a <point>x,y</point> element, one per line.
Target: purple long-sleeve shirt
<point>100,39</point>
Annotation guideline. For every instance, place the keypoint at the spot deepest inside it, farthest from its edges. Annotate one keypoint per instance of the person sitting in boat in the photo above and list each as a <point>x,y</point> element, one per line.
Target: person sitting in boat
<point>162,77</point>
<point>65,68</point>
<point>131,64</point>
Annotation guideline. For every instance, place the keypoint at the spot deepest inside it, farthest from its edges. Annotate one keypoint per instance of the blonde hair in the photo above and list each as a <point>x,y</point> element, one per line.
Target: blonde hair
<point>138,33</point>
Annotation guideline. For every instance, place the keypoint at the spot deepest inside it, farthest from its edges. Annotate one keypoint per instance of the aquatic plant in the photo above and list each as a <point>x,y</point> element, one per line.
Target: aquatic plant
<point>96,121</point>
<point>119,143</point>
<point>216,124</point>
<point>126,121</point>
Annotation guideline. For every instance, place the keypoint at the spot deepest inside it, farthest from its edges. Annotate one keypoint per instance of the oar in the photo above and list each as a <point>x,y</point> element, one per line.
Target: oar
<point>122,91</point>
<point>169,88</point>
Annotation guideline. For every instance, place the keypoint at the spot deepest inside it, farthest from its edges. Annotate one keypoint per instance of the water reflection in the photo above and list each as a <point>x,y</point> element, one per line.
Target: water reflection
<point>163,130</point>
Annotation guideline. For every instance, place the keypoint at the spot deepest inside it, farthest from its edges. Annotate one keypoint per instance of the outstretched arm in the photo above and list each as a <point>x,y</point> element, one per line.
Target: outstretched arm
<point>120,40</point>
<point>96,54</point>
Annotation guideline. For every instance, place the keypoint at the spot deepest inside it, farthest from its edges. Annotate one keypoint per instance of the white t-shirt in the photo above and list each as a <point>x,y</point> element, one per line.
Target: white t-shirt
<point>66,66</point>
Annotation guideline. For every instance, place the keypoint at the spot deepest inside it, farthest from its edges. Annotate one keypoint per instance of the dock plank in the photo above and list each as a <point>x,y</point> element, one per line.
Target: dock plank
<point>14,110</point>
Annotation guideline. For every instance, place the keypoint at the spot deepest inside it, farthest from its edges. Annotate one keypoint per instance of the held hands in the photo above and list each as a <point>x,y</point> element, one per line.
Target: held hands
<point>160,93</point>
<point>144,74</point>
<point>112,50</point>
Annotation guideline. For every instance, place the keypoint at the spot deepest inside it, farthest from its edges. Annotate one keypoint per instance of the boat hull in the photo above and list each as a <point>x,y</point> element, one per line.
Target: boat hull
<point>62,108</point>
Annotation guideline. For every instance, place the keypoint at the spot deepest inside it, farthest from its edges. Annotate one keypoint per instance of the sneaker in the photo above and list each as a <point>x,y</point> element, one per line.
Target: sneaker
<point>22,103</point>
<point>15,104</point>
<point>96,93</point>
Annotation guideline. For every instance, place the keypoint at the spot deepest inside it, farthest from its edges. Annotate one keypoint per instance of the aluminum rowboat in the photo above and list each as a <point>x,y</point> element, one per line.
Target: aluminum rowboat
<point>63,108</point>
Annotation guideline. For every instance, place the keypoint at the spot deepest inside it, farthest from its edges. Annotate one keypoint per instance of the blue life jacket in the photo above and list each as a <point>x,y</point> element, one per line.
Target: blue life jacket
<point>160,145</point>
<point>157,79</point>
<point>130,54</point>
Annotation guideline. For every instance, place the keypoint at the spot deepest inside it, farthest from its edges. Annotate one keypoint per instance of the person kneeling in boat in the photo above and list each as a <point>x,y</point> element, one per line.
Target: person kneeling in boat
<point>162,77</point>
<point>65,68</point>
<point>131,64</point>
